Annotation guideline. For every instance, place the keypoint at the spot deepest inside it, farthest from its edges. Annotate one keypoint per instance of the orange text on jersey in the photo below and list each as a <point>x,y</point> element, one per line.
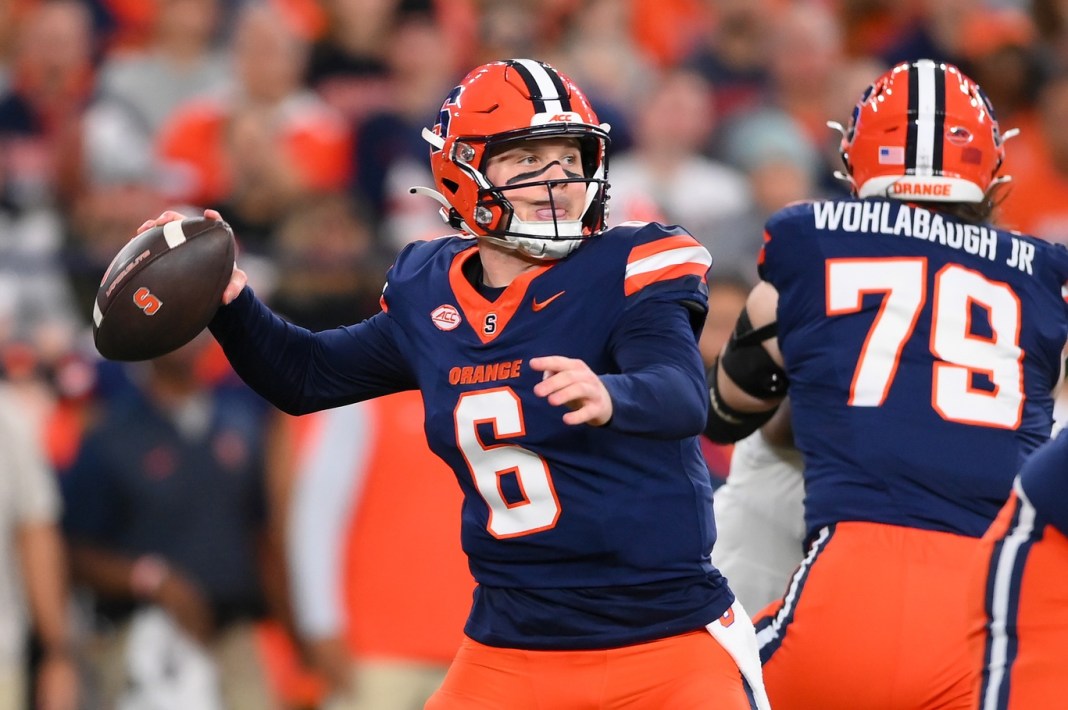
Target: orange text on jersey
<point>474,374</point>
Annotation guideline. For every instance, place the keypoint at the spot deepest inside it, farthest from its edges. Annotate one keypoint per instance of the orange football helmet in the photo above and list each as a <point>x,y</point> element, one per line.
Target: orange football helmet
<point>503,102</point>
<point>923,131</point>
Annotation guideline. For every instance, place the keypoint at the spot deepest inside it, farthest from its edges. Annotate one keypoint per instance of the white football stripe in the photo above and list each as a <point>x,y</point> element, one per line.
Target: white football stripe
<point>172,232</point>
<point>97,314</point>
<point>671,257</point>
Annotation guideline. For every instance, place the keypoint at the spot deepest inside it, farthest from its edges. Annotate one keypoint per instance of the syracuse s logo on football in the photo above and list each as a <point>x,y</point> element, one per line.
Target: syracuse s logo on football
<point>147,301</point>
<point>445,317</point>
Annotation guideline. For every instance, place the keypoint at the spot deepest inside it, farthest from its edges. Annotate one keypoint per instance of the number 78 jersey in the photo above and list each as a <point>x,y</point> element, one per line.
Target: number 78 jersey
<point>922,353</point>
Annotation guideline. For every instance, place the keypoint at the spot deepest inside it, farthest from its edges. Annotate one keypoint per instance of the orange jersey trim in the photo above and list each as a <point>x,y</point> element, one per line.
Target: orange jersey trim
<point>663,260</point>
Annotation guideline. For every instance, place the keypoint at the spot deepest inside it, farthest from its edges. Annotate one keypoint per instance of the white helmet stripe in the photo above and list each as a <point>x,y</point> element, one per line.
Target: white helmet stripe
<point>926,105</point>
<point>545,84</point>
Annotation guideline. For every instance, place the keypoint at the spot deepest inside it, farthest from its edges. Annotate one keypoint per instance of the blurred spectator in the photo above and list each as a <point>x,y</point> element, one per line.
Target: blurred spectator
<point>666,31</point>
<point>665,176</point>
<point>33,580</point>
<point>348,62</point>
<point>936,31</point>
<point>1003,59</point>
<point>381,588</point>
<point>7,41</point>
<point>520,28</point>
<point>1050,18</point>
<point>263,148</point>
<point>733,56</point>
<point>871,27</point>
<point>37,305</point>
<point>598,50</point>
<point>390,153</point>
<point>760,513</point>
<point>138,89</point>
<point>1036,201</point>
<point>805,52</point>
<point>165,512</point>
<point>781,165</point>
<point>40,114</point>
<point>330,272</point>
<point>727,292</point>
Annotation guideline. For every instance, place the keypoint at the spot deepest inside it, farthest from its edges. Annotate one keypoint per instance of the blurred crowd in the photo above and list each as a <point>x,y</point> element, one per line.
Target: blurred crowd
<point>300,121</point>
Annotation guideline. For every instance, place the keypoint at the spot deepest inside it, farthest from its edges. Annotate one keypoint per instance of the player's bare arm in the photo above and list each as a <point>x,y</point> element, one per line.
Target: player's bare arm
<point>570,382</point>
<point>747,381</point>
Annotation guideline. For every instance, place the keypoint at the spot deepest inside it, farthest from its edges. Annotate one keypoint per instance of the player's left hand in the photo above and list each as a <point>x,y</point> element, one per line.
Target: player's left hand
<point>571,382</point>
<point>238,278</point>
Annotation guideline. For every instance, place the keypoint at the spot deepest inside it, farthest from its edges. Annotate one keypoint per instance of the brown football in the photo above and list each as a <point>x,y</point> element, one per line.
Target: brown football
<point>162,289</point>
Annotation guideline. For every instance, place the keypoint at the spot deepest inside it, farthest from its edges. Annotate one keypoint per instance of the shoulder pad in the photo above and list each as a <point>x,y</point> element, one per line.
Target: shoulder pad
<point>659,254</point>
<point>792,213</point>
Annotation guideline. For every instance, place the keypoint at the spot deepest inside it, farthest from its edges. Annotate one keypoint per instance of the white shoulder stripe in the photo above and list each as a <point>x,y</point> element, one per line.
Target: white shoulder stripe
<point>672,257</point>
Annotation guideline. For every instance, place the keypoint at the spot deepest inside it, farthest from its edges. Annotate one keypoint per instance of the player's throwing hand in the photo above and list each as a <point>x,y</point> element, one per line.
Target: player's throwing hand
<point>571,382</point>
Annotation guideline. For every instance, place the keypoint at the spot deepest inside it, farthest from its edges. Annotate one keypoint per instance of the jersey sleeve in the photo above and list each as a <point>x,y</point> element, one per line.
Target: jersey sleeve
<point>660,391</point>
<point>1044,478</point>
<point>300,371</point>
<point>780,235</point>
<point>668,264</point>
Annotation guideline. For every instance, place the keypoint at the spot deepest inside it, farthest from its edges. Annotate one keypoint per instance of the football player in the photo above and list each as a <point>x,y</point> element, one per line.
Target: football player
<point>1024,607</point>
<point>920,346</point>
<point>559,367</point>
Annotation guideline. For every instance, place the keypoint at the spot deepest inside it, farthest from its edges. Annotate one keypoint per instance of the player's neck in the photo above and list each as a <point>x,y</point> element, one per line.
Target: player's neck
<point>501,266</point>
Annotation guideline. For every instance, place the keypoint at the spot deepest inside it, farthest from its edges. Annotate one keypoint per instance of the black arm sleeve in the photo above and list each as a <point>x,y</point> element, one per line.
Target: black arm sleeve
<point>726,425</point>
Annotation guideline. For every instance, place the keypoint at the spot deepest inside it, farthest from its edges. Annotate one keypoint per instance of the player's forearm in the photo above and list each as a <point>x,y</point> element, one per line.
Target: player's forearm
<point>44,569</point>
<point>661,401</point>
<point>269,354</point>
<point>660,391</point>
<point>299,371</point>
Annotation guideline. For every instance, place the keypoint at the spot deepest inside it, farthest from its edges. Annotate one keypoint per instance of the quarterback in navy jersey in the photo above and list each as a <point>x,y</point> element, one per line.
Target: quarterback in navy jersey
<point>920,347</point>
<point>559,367</point>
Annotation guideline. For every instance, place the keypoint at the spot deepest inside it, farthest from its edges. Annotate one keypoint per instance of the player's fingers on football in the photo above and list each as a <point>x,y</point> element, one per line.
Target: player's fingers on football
<point>167,216</point>
<point>212,214</point>
<point>238,279</point>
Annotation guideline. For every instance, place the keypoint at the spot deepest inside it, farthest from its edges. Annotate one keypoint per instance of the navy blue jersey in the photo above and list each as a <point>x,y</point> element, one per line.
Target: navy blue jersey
<point>579,536</point>
<point>1044,478</point>
<point>922,354</point>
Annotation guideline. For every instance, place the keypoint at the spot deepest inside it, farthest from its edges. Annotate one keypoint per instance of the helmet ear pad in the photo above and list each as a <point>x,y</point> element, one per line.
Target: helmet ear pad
<point>923,131</point>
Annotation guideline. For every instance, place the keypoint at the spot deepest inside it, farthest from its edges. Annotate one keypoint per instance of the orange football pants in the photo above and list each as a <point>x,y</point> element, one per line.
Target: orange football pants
<point>687,672</point>
<point>1022,623</point>
<point>875,617</point>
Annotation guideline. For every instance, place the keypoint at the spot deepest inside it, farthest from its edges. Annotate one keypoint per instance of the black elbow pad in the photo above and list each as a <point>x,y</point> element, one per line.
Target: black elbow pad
<point>726,425</point>
<point>749,365</point>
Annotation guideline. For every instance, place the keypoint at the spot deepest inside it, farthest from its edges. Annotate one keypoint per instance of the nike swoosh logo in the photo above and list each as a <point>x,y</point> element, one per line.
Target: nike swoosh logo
<point>538,306</point>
